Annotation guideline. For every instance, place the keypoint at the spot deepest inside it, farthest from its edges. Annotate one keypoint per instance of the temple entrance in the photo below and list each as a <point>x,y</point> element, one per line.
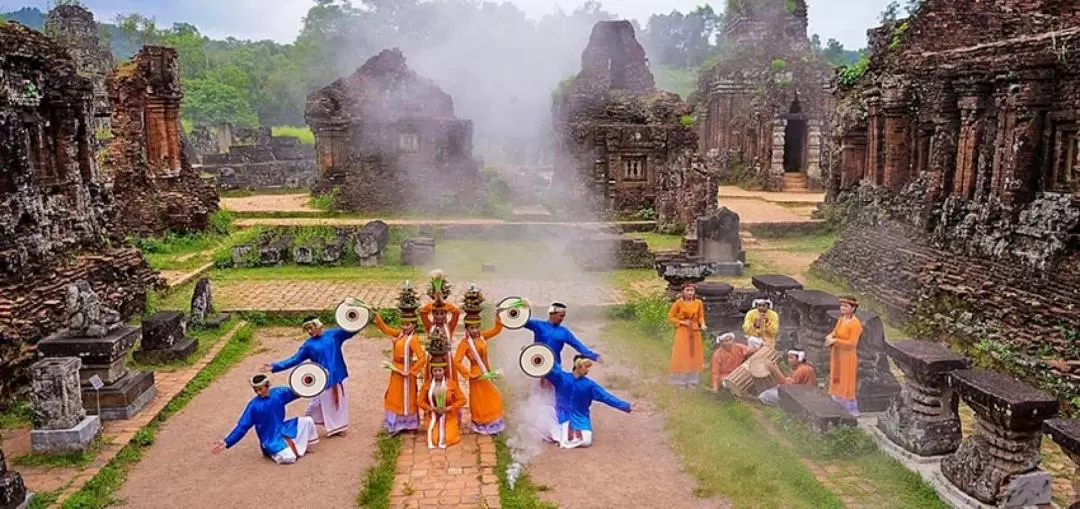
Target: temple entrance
<point>795,139</point>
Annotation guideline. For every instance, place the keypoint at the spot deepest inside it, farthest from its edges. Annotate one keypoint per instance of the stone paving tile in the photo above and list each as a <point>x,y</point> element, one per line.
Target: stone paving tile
<point>176,278</point>
<point>460,476</point>
<point>303,295</point>
<point>118,433</point>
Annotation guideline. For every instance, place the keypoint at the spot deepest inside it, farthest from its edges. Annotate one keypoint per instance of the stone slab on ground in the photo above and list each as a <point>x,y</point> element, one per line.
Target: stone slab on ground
<point>812,405</point>
<point>179,351</point>
<point>59,441</point>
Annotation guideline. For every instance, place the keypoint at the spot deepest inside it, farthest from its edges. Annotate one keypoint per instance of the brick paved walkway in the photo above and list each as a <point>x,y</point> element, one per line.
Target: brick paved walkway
<point>305,295</point>
<point>460,476</point>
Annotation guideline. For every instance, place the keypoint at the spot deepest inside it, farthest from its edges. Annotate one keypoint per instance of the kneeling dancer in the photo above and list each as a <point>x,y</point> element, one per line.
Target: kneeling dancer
<point>282,440</point>
<point>331,408</point>
<point>441,397</point>
<point>579,391</point>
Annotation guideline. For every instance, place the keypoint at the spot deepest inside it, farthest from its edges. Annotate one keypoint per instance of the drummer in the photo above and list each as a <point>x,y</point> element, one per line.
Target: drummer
<point>802,373</point>
<point>728,356</point>
<point>330,409</point>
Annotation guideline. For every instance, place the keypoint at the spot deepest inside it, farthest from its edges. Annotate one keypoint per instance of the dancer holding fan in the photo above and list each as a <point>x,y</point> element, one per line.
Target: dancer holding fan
<point>485,402</point>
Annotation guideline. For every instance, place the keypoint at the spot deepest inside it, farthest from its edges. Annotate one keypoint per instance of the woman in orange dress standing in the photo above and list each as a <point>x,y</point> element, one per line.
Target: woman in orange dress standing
<point>687,354</point>
<point>441,397</point>
<point>485,402</point>
<point>400,401</point>
<point>843,343</point>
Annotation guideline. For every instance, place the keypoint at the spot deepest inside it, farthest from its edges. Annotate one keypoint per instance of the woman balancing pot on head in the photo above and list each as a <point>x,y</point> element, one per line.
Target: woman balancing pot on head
<point>688,352</point>
<point>400,401</point>
<point>440,313</point>
<point>440,397</point>
<point>485,402</point>
<point>843,343</point>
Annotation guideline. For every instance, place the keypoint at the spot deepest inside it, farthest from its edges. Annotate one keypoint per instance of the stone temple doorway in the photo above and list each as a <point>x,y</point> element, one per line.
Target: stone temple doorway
<point>795,135</point>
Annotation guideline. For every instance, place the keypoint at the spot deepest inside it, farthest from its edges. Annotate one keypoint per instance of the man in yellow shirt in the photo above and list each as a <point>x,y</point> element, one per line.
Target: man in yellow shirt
<point>762,322</point>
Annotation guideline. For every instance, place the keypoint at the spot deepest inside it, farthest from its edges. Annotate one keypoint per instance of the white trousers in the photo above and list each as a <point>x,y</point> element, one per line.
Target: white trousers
<point>306,435</point>
<point>333,416</point>
<point>562,436</point>
<point>770,396</point>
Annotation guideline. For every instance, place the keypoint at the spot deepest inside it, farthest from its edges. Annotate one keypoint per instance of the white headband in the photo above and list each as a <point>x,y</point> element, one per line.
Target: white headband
<point>724,336</point>
<point>758,302</point>
<point>556,308</point>
<point>314,321</point>
<point>799,354</point>
<point>259,380</point>
<point>754,341</point>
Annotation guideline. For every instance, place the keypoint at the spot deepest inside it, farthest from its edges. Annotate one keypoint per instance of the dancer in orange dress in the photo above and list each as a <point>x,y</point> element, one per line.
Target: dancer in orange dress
<point>843,358</point>
<point>485,402</point>
<point>688,352</point>
<point>440,312</point>
<point>441,397</point>
<point>400,401</point>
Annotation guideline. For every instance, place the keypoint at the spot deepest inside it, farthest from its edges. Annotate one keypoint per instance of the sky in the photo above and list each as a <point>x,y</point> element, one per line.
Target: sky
<point>280,20</point>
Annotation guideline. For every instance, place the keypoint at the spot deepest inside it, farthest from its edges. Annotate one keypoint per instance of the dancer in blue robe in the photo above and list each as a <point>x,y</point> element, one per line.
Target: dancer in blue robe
<point>577,392</point>
<point>282,440</point>
<point>331,408</point>
<point>552,333</point>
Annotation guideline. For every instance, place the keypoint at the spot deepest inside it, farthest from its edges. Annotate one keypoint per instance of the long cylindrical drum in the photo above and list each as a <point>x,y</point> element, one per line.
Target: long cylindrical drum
<point>753,377</point>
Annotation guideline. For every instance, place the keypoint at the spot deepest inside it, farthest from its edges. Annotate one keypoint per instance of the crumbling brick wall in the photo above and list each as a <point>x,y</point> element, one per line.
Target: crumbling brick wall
<point>956,174</point>
<point>55,213</point>
<point>762,109</point>
<point>74,27</point>
<point>617,135</point>
<point>156,188</point>
<point>388,140</point>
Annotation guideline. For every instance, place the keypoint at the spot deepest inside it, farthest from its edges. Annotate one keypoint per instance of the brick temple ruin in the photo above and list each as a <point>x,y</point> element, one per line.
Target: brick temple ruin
<point>622,144</point>
<point>388,140</point>
<point>956,153</point>
<point>762,110</point>
<point>55,212</point>
<point>74,27</point>
<point>156,188</point>
<point>251,159</point>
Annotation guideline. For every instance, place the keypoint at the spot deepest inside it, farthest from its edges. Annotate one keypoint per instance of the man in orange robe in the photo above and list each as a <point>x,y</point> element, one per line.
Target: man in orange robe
<point>728,356</point>
<point>843,360</point>
<point>802,373</point>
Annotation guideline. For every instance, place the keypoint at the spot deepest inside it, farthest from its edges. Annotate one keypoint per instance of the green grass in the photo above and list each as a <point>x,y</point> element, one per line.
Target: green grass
<point>42,500</point>
<point>303,132</point>
<point>99,491</point>
<point>16,415</point>
<point>659,241</point>
<point>185,251</point>
<point>525,492</point>
<point>379,480</point>
<point>244,193</point>
<point>803,244</point>
<point>66,460</point>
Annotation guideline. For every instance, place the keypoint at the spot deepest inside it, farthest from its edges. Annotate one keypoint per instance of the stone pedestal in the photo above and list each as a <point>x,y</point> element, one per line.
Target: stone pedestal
<point>720,314</point>
<point>202,307</point>
<point>60,422</point>
<point>813,308</point>
<point>164,339</point>
<point>877,385</point>
<point>1066,432</point>
<point>418,251</point>
<point>678,269</point>
<point>999,463</point>
<point>718,237</point>
<point>776,288</point>
<point>13,494</point>
<point>922,418</point>
<point>812,405</point>
<point>125,392</point>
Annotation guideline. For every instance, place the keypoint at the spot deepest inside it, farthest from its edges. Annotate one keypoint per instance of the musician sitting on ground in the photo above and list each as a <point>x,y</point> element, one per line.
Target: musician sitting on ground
<point>802,373</point>
<point>726,358</point>
<point>762,322</point>
<point>282,440</point>
<point>575,427</point>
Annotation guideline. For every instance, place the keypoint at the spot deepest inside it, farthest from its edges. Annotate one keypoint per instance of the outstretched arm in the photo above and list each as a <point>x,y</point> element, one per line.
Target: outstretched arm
<point>494,330</point>
<point>342,335</point>
<point>533,324</point>
<point>384,328</point>
<point>242,426</point>
<point>301,355</point>
<point>609,399</point>
<point>580,347</point>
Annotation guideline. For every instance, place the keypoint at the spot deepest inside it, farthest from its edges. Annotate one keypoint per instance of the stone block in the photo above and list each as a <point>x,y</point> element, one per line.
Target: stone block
<point>178,351</point>
<point>123,399</point>
<point>60,441</point>
<point>775,284</point>
<point>812,405</point>
<point>108,373</point>
<point>922,419</point>
<point>418,251</point>
<point>202,302</point>
<point>54,393</point>
<point>370,242</point>
<point>93,351</point>
<point>215,321</point>
<point>1002,398</point>
<point>812,308</point>
<point>162,330</point>
<point>718,237</point>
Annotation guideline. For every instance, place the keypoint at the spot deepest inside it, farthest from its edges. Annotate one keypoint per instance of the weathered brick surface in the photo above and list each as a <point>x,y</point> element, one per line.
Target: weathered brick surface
<point>74,27</point>
<point>157,190</point>
<point>388,139</point>
<point>55,214</point>
<point>618,136</point>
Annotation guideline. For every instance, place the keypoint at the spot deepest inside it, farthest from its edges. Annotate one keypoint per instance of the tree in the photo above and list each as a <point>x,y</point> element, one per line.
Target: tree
<point>210,101</point>
<point>889,14</point>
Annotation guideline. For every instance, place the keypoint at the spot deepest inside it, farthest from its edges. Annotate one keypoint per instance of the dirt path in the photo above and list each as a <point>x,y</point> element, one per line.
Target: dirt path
<point>269,203</point>
<point>179,471</point>
<point>630,464</point>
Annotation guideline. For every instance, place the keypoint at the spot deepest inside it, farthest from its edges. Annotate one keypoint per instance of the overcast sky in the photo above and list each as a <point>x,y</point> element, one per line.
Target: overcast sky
<point>844,20</point>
